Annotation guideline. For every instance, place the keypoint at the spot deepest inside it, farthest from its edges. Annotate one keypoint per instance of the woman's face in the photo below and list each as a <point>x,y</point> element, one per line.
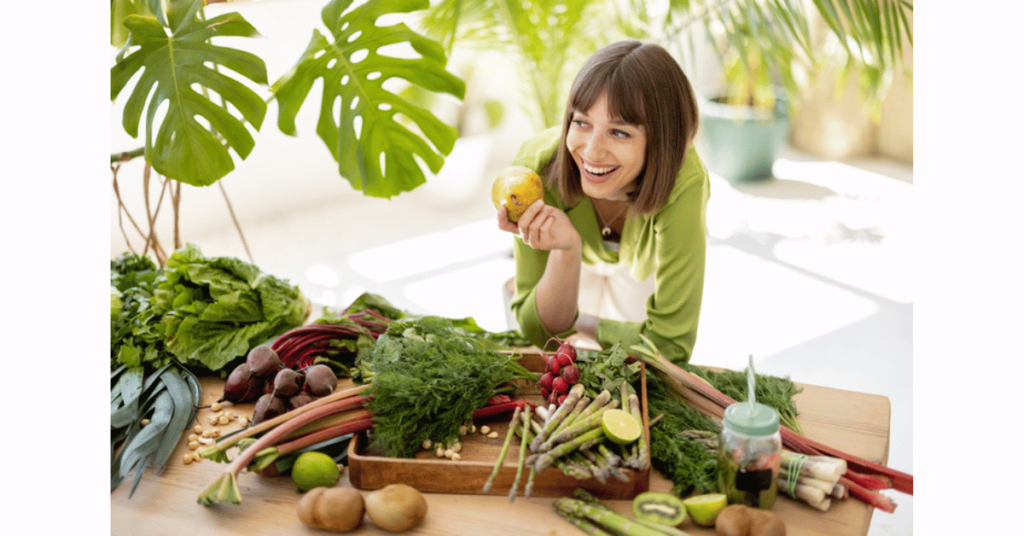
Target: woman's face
<point>609,152</point>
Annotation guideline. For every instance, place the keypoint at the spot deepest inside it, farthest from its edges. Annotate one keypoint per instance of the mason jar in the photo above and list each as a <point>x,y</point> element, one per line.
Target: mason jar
<point>749,454</point>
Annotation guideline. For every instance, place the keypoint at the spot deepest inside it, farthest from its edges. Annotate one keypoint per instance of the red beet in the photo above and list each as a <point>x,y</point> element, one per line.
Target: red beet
<point>268,407</point>
<point>263,360</point>
<point>300,399</point>
<point>287,382</point>
<point>559,385</point>
<point>320,380</point>
<point>571,374</point>
<point>242,385</point>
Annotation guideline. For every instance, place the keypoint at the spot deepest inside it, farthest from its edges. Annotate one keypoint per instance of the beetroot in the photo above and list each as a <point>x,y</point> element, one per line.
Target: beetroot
<point>571,374</point>
<point>320,380</point>
<point>263,360</point>
<point>300,399</point>
<point>268,407</point>
<point>242,385</point>
<point>287,382</point>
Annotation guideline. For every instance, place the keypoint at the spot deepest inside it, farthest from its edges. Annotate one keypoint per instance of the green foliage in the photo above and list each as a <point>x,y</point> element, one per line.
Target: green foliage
<point>687,463</point>
<point>428,378</point>
<point>358,117</point>
<point>175,58</point>
<point>216,309</point>
<point>136,332</point>
<point>773,391</point>
<point>548,41</point>
<point>168,398</point>
<point>606,369</point>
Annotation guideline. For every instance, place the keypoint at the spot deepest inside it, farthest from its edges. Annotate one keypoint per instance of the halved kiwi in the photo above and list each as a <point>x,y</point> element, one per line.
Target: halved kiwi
<point>661,508</point>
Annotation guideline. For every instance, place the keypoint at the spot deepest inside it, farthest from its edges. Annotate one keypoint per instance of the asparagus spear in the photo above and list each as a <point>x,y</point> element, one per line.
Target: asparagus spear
<point>579,428</point>
<point>522,453</point>
<point>581,523</point>
<point>567,406</point>
<point>643,447</point>
<point>615,521</point>
<point>504,449</point>
<point>550,456</point>
<point>599,401</point>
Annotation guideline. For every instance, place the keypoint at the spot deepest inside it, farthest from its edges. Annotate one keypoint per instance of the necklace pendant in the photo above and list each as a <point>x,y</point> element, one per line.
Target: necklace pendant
<point>606,231</point>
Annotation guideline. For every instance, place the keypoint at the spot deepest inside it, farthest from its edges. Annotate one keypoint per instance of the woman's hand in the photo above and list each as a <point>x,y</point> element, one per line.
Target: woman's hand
<point>542,227</point>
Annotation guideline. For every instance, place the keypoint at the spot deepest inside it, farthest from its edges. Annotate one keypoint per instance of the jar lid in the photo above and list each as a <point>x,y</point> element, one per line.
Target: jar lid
<point>759,420</point>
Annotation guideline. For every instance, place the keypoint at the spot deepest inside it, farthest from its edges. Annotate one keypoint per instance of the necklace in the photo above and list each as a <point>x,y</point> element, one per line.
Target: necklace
<point>607,229</point>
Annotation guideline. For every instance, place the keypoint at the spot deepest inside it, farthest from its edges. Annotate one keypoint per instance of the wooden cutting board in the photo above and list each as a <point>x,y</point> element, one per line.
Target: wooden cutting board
<point>856,423</point>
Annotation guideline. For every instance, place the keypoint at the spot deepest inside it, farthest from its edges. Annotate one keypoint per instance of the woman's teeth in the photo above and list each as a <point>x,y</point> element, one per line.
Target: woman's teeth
<point>599,170</point>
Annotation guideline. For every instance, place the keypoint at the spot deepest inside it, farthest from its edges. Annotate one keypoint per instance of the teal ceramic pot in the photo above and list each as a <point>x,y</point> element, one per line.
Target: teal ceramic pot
<point>740,143</point>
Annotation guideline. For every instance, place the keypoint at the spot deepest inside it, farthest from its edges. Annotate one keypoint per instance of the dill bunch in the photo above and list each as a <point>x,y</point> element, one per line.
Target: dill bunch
<point>684,461</point>
<point>427,378</point>
<point>773,391</point>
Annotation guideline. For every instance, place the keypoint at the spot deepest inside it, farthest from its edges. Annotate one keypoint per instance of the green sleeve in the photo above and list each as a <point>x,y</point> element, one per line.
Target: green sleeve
<point>530,263</point>
<point>678,250</point>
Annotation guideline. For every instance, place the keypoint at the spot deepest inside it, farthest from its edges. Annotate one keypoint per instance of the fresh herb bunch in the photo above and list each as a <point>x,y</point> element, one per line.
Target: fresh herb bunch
<point>606,369</point>
<point>774,391</point>
<point>136,331</point>
<point>428,377</point>
<point>687,463</point>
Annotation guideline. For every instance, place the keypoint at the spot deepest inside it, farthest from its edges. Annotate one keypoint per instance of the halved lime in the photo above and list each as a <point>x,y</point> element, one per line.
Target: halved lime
<point>704,509</point>
<point>620,427</point>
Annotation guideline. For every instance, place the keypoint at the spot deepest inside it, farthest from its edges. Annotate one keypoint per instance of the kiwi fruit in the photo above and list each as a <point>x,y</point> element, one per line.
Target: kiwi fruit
<point>661,508</point>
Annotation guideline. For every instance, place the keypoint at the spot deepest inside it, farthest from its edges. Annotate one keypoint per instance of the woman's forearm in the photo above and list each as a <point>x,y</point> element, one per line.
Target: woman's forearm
<point>559,288</point>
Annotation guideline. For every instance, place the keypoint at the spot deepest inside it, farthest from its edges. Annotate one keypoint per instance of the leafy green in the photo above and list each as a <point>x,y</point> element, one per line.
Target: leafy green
<point>174,54</point>
<point>773,391</point>
<point>360,119</point>
<point>606,369</point>
<point>136,331</point>
<point>428,377</point>
<point>687,463</point>
<point>216,309</point>
<point>168,398</point>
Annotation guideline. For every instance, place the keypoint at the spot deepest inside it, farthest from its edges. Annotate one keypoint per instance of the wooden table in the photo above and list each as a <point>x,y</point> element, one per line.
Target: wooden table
<point>856,423</point>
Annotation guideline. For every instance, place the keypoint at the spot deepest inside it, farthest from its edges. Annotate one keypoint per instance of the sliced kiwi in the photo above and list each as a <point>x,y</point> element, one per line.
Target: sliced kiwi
<point>661,508</point>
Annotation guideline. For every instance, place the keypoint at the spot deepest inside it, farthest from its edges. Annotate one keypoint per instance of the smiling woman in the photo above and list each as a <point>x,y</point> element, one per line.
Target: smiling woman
<point>616,248</point>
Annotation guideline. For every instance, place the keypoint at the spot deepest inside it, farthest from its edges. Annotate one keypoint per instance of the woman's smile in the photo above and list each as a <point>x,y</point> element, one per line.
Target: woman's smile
<point>609,152</point>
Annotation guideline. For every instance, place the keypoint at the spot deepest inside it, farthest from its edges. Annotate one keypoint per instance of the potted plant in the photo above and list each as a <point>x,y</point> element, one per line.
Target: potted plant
<point>766,48</point>
<point>196,101</point>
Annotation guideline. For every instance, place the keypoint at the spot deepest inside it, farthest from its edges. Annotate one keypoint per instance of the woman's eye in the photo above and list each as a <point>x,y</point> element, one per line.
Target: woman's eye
<point>620,134</point>
<point>579,122</point>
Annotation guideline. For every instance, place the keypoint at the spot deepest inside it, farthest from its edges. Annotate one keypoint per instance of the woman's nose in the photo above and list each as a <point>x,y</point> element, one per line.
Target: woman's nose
<point>594,147</point>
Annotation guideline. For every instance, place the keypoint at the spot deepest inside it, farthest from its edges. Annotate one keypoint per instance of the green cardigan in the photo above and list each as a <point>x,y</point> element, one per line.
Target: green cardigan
<point>670,243</point>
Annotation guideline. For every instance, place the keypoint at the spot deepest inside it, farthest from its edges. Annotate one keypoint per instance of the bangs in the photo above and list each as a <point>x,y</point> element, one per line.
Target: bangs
<point>625,95</point>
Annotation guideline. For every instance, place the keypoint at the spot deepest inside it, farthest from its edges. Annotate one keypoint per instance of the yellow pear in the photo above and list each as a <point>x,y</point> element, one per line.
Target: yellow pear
<point>516,187</point>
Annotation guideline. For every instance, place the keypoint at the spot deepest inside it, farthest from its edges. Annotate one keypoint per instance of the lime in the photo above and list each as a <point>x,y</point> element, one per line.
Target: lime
<point>314,470</point>
<point>704,509</point>
<point>620,426</point>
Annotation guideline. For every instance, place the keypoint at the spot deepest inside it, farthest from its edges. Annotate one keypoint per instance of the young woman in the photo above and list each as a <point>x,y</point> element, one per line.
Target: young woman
<point>617,247</point>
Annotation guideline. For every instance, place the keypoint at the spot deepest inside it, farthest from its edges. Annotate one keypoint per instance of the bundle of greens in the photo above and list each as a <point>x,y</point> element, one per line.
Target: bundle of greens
<point>774,391</point>
<point>606,370</point>
<point>683,460</point>
<point>136,331</point>
<point>428,375</point>
<point>216,309</point>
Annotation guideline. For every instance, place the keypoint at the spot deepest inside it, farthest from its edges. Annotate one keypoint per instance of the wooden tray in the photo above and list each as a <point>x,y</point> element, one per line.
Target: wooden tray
<point>426,472</point>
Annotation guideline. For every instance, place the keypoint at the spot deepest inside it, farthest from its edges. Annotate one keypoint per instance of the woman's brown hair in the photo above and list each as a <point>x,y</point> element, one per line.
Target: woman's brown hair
<point>646,87</point>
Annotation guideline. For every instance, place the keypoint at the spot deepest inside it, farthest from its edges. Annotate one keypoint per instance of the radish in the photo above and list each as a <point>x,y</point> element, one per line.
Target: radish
<point>566,350</point>
<point>553,367</point>
<point>559,385</point>
<point>546,379</point>
<point>571,374</point>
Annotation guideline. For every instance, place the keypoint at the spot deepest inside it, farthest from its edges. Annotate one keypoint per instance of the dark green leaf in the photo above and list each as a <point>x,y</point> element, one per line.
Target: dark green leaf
<point>375,152</point>
<point>173,65</point>
<point>129,387</point>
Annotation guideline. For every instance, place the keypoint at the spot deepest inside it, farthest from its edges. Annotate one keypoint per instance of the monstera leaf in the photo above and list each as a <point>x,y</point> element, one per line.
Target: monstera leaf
<point>177,63</point>
<point>358,120</point>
